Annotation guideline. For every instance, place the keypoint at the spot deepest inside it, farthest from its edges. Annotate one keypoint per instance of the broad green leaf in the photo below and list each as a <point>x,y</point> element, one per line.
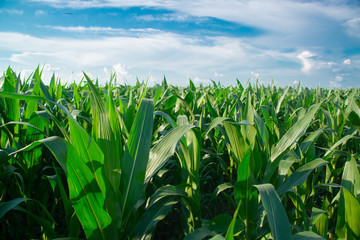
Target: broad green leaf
<point>316,214</point>
<point>222,187</point>
<point>24,123</point>
<point>217,237</point>
<point>135,158</point>
<point>8,206</point>
<point>199,233</point>
<point>85,193</point>
<point>347,225</point>
<point>284,167</point>
<point>164,149</point>
<point>351,177</point>
<point>189,154</point>
<point>237,141</point>
<point>215,122</point>
<point>157,212</point>
<point>339,142</point>
<point>319,222</point>
<point>300,175</point>
<point>294,133</point>
<point>167,117</point>
<point>275,212</point>
<point>104,136</point>
<point>308,235</point>
<point>247,196</point>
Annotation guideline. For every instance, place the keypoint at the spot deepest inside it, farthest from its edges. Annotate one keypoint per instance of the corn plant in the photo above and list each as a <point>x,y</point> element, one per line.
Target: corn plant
<point>80,160</point>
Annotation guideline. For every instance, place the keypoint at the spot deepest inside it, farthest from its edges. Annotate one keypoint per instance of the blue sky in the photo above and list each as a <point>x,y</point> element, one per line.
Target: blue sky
<point>288,41</point>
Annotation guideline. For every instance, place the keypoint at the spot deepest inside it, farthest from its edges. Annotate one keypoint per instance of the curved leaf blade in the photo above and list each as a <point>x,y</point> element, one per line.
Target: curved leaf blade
<point>276,215</point>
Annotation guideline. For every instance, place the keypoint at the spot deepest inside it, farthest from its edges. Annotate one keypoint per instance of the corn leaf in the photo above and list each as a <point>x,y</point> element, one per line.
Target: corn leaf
<point>157,212</point>
<point>8,206</point>
<point>164,149</point>
<point>135,158</point>
<point>275,212</point>
<point>85,193</point>
<point>294,133</point>
<point>308,235</point>
<point>300,175</point>
<point>104,136</point>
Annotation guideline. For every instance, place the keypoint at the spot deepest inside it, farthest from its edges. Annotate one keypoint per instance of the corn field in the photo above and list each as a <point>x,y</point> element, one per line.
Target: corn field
<point>164,162</point>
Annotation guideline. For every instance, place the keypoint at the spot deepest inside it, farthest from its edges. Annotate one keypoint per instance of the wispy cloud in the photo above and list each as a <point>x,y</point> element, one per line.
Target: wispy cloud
<point>353,27</point>
<point>287,23</point>
<point>40,12</point>
<point>99,29</point>
<point>299,40</point>
<point>154,52</point>
<point>177,56</point>
<point>166,17</point>
<point>12,11</point>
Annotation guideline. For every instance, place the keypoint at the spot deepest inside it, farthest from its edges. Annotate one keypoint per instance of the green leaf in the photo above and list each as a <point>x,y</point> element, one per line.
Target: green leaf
<point>215,122</point>
<point>351,177</point>
<point>135,158</point>
<point>281,100</point>
<point>297,130</point>
<point>230,231</point>
<point>316,214</point>
<point>294,133</point>
<point>339,142</point>
<point>44,223</point>
<point>164,149</point>
<point>247,196</point>
<point>104,135</point>
<point>157,212</point>
<point>222,187</point>
<point>236,141</point>
<point>85,193</point>
<point>300,175</point>
<point>8,206</point>
<point>217,237</point>
<point>275,212</point>
<point>199,233</point>
<point>352,215</point>
<point>347,225</point>
<point>167,117</point>
<point>308,235</point>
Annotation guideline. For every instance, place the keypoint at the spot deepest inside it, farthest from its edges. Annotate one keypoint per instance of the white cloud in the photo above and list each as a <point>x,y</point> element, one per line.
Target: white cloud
<point>347,62</point>
<point>158,53</point>
<point>168,17</point>
<point>339,78</point>
<point>216,74</point>
<point>85,29</point>
<point>306,59</point>
<point>103,30</point>
<point>198,81</point>
<point>335,84</point>
<point>121,72</point>
<point>40,12</point>
<point>353,27</point>
<point>268,14</point>
<point>12,11</point>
